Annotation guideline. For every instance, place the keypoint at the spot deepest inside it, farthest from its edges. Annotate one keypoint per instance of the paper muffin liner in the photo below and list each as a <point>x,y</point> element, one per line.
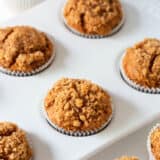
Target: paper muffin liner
<point>135,85</point>
<point>19,5</point>
<point>37,70</point>
<point>151,156</point>
<point>92,36</point>
<point>77,133</point>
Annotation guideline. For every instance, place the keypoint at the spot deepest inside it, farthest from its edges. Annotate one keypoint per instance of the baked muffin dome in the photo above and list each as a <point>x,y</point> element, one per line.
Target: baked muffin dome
<point>78,105</point>
<point>13,143</point>
<point>127,158</point>
<point>141,63</point>
<point>155,143</point>
<point>93,17</point>
<point>23,48</point>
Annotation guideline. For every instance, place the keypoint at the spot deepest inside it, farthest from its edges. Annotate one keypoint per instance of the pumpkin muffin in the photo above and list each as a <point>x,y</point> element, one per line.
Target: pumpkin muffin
<point>78,105</point>
<point>93,17</point>
<point>155,143</point>
<point>141,63</point>
<point>127,158</point>
<point>13,143</point>
<point>24,49</point>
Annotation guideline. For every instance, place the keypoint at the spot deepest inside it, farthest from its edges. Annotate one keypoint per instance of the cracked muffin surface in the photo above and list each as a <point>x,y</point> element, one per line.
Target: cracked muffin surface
<point>141,63</point>
<point>95,17</point>
<point>13,143</point>
<point>155,143</point>
<point>127,158</point>
<point>78,105</point>
<point>23,48</point>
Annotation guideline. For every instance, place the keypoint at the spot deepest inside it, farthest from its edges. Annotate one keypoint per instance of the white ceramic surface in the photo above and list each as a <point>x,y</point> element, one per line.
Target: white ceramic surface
<point>97,60</point>
<point>6,14</point>
<point>134,144</point>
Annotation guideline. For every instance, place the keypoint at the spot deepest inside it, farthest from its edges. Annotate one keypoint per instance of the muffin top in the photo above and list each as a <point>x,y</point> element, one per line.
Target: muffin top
<point>142,63</point>
<point>155,143</point>
<point>78,105</point>
<point>13,143</point>
<point>97,17</point>
<point>127,158</point>
<point>23,48</point>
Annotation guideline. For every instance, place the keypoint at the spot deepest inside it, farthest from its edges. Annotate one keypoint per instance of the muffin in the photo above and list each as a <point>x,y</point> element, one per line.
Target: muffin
<point>93,17</point>
<point>127,158</point>
<point>141,63</point>
<point>78,106</point>
<point>24,49</point>
<point>13,143</point>
<point>154,143</point>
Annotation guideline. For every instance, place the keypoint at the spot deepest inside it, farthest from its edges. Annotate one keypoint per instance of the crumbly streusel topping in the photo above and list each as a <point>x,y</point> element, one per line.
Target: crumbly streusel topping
<point>23,48</point>
<point>13,143</point>
<point>127,158</point>
<point>142,63</point>
<point>155,143</point>
<point>75,105</point>
<point>93,16</point>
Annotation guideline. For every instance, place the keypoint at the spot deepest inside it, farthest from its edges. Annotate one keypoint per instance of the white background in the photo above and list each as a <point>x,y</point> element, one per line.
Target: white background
<point>134,144</point>
<point>5,12</point>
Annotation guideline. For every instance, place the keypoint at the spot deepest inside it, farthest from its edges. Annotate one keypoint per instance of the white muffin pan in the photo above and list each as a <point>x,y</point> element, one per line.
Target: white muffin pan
<point>134,144</point>
<point>77,57</point>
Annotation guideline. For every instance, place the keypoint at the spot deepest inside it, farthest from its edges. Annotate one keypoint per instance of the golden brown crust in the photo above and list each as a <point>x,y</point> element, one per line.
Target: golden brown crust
<point>155,143</point>
<point>78,105</point>
<point>23,48</point>
<point>13,143</point>
<point>142,63</point>
<point>127,158</point>
<point>97,17</point>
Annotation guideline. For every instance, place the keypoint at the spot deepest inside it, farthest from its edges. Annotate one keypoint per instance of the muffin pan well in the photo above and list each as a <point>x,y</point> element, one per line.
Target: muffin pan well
<point>94,59</point>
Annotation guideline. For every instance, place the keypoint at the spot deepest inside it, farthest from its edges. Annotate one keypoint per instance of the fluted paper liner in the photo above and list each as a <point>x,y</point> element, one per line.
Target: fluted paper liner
<point>77,133</point>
